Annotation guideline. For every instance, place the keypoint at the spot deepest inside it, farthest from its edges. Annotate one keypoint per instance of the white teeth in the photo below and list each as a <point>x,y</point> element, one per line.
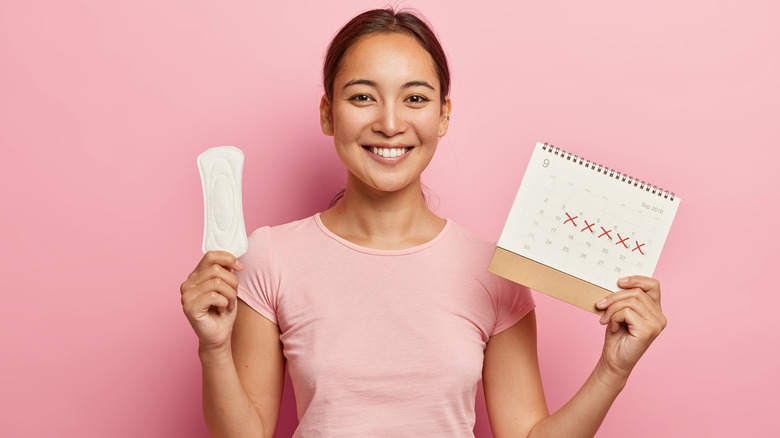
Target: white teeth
<point>388,152</point>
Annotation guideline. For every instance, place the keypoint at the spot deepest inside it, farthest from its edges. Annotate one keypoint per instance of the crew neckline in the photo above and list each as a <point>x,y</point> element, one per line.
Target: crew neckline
<point>375,251</point>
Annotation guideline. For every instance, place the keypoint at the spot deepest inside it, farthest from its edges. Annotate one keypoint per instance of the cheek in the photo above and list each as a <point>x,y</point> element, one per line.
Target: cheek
<point>429,130</point>
<point>431,136</point>
<point>348,123</point>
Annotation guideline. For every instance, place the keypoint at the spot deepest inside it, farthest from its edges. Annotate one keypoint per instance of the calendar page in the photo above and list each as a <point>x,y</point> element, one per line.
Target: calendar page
<point>586,220</point>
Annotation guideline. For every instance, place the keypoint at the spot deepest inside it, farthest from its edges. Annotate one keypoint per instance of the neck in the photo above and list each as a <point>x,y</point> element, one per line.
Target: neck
<point>383,220</point>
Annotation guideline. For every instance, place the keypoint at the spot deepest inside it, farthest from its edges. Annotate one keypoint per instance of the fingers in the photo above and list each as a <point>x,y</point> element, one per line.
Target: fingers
<point>625,315</point>
<point>200,304</point>
<point>196,298</point>
<point>651,286</point>
<point>648,287</point>
<point>638,307</point>
<point>638,326</point>
<point>635,299</point>
<point>211,272</point>
<point>222,258</point>
<point>212,283</point>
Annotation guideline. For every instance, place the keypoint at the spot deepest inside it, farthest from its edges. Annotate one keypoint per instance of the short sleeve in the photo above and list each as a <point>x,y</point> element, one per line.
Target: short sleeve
<point>257,285</point>
<point>511,301</point>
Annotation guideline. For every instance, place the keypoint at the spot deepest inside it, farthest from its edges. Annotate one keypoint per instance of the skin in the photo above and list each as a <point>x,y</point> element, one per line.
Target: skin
<point>386,94</point>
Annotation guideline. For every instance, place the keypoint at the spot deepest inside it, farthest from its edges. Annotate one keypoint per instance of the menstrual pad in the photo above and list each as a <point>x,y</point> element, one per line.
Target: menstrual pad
<point>220,173</point>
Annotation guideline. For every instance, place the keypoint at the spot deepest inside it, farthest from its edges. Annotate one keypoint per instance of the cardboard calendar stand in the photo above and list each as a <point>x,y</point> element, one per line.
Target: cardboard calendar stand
<point>547,280</point>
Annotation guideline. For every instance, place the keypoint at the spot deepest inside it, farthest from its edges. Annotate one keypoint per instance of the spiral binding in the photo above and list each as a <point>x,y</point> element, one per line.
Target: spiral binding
<point>622,177</point>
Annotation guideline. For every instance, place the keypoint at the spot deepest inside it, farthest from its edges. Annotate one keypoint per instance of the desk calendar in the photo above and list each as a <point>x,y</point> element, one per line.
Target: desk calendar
<point>576,227</point>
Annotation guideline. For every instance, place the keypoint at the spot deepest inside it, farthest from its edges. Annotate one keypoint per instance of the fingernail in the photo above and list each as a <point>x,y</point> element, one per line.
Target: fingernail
<point>239,265</point>
<point>623,280</point>
<point>602,302</point>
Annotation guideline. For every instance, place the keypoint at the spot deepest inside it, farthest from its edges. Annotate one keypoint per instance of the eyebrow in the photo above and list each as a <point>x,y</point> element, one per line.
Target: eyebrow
<point>418,84</point>
<point>360,82</point>
<point>373,84</point>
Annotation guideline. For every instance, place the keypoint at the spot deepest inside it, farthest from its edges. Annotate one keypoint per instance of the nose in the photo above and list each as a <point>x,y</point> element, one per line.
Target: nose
<point>390,120</point>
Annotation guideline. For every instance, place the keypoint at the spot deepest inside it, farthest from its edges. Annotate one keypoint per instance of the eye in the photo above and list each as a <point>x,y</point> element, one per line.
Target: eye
<point>361,98</point>
<point>416,98</point>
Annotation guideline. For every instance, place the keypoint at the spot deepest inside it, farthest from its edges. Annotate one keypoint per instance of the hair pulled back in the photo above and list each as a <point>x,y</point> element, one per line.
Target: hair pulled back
<point>385,21</point>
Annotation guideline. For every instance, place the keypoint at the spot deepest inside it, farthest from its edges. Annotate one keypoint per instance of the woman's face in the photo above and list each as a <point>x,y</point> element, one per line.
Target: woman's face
<point>386,115</point>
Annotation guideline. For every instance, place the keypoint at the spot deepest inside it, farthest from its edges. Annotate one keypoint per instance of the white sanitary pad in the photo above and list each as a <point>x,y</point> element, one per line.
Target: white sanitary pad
<point>220,173</point>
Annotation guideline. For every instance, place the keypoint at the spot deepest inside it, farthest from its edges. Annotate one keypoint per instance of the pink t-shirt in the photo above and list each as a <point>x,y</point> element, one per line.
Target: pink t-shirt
<point>380,342</point>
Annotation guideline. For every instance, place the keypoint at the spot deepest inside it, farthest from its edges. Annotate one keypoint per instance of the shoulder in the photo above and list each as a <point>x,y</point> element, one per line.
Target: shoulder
<point>283,233</point>
<point>472,254</point>
<point>468,245</point>
<point>478,251</point>
<point>509,301</point>
<point>268,240</point>
<point>283,230</point>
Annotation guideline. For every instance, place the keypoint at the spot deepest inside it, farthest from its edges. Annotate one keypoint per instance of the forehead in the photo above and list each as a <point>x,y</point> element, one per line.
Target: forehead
<point>389,56</point>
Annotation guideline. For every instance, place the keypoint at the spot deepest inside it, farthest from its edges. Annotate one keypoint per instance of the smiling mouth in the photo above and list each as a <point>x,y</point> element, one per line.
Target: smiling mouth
<point>387,152</point>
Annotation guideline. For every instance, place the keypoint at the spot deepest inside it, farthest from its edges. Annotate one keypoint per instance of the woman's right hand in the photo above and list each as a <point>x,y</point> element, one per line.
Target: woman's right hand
<point>208,298</point>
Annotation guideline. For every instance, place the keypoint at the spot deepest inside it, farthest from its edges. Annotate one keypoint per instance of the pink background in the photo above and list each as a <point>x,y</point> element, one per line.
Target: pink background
<point>105,105</point>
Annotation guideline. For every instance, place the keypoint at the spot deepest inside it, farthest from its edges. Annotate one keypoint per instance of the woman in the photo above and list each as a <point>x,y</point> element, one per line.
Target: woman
<point>384,312</point>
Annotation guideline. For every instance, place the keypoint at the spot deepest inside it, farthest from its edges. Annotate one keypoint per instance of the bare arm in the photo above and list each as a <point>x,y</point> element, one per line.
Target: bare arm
<point>513,393</point>
<point>511,380</point>
<point>242,387</point>
<point>239,350</point>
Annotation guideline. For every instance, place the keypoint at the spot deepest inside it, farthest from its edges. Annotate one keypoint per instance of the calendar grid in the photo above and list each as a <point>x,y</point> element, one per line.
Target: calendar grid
<point>574,219</point>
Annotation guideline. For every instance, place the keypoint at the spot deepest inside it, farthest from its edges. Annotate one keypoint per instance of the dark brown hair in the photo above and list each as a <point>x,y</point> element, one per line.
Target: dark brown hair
<point>385,21</point>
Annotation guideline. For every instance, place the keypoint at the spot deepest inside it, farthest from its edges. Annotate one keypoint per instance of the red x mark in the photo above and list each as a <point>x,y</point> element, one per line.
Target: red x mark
<point>622,240</point>
<point>605,232</point>
<point>588,226</point>
<point>570,219</point>
<point>638,247</point>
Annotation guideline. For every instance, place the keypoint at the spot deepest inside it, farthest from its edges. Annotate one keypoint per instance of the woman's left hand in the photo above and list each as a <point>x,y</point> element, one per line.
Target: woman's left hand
<point>634,319</point>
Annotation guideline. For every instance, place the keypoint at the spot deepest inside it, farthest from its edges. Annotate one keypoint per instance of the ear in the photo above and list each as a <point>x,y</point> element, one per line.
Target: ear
<point>326,116</point>
<point>444,118</point>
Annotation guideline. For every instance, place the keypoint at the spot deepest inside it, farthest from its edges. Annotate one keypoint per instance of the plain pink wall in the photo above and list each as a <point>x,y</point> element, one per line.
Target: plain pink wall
<point>105,105</point>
